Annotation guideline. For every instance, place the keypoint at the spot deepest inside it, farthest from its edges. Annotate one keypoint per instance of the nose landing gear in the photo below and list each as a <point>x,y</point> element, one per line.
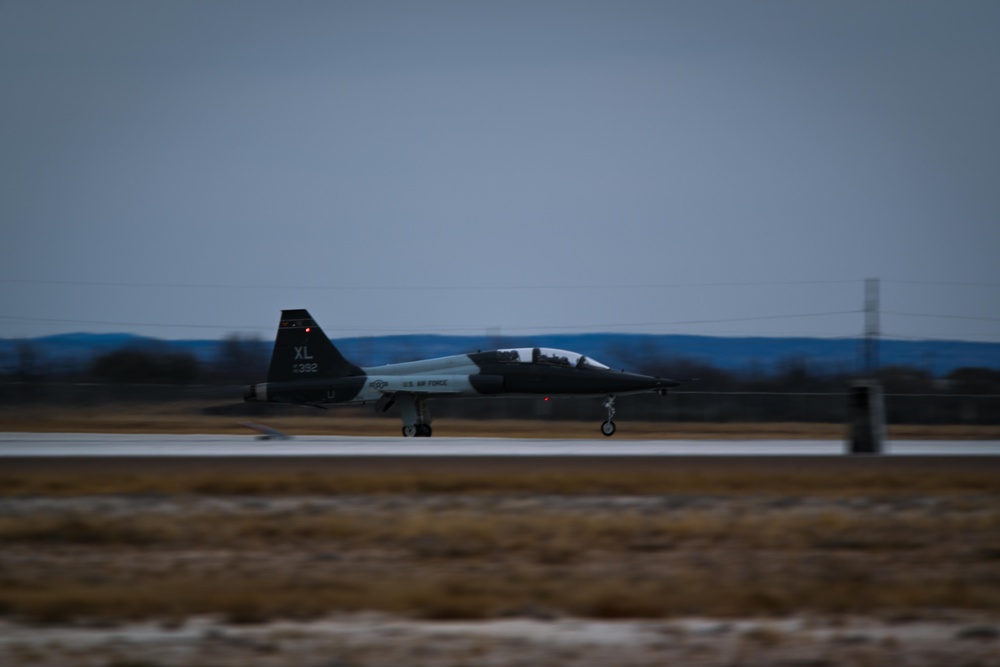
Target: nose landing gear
<point>608,427</point>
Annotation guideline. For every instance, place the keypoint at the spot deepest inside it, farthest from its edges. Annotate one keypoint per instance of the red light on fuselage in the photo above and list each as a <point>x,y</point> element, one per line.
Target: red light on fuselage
<point>546,398</point>
<point>308,329</point>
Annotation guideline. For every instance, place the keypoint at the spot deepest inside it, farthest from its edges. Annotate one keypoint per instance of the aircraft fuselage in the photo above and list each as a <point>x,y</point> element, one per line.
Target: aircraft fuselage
<point>307,369</point>
<point>471,375</point>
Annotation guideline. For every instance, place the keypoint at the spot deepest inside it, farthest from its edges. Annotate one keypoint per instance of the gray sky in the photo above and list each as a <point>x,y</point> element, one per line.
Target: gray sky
<point>458,167</point>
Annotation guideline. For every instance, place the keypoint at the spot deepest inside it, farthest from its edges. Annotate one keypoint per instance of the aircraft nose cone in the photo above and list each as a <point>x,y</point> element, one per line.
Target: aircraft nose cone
<point>662,384</point>
<point>640,383</point>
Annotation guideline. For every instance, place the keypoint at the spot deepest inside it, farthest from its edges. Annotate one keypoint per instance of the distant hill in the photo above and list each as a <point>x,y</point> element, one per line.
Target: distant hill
<point>70,352</point>
<point>732,354</point>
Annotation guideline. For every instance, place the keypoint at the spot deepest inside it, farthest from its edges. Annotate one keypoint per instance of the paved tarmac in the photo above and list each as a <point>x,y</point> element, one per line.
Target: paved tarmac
<point>147,445</point>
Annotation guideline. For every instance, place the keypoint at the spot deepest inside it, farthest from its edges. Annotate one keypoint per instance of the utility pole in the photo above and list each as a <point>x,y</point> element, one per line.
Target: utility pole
<point>872,332</point>
<point>866,407</point>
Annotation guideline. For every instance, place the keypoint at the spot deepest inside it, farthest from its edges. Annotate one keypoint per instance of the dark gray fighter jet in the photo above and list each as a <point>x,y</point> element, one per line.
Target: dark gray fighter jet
<point>307,369</point>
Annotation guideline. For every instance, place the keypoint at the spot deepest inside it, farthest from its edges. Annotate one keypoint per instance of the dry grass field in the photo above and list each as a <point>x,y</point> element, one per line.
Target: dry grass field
<point>497,561</point>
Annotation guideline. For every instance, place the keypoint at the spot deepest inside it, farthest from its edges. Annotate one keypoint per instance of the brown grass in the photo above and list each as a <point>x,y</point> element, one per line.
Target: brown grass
<point>450,538</point>
<point>463,596</point>
<point>258,564</point>
<point>483,475</point>
<point>458,596</point>
<point>457,534</point>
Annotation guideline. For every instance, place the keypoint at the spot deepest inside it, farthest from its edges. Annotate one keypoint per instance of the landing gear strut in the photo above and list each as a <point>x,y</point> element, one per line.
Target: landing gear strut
<point>608,427</point>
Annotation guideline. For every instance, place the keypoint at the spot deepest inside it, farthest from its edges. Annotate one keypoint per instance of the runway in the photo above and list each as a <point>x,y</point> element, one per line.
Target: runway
<point>146,445</point>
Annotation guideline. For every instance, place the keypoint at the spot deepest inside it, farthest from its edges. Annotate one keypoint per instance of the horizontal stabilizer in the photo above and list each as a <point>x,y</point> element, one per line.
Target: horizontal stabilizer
<point>266,432</point>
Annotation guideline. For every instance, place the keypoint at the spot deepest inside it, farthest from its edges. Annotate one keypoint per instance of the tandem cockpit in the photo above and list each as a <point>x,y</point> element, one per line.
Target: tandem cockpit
<point>547,356</point>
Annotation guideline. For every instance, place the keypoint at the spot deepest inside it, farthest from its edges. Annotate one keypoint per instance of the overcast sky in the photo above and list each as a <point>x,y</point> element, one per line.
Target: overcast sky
<point>188,169</point>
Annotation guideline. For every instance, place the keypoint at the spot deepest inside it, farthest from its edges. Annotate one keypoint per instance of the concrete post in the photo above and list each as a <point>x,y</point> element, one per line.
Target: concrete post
<point>867,418</point>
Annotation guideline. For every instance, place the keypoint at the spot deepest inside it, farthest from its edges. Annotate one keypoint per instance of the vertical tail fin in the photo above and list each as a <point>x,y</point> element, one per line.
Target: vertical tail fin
<point>302,351</point>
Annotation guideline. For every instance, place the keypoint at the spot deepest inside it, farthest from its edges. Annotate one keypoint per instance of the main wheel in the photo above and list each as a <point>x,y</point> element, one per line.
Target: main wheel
<point>423,430</point>
<point>608,428</point>
<point>410,431</point>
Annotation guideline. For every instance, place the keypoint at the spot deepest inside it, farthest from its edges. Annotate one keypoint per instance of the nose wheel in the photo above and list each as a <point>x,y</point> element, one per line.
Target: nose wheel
<point>608,427</point>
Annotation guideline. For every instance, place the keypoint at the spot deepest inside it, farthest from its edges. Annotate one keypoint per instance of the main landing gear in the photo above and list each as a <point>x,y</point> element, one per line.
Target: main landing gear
<point>608,427</point>
<point>417,431</point>
<point>416,417</point>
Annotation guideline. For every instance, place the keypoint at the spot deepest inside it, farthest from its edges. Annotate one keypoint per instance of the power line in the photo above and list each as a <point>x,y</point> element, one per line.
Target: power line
<point>713,321</point>
<point>463,328</point>
<point>975,339</point>
<point>743,283</point>
<point>126,324</point>
<point>414,288</point>
<point>949,317</point>
<point>941,283</point>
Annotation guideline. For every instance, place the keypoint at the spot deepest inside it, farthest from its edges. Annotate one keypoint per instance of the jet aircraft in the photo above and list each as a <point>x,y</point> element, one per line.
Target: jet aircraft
<point>307,369</point>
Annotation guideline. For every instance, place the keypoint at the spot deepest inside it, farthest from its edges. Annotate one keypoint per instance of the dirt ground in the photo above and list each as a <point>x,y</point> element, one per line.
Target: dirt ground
<point>385,641</point>
<point>500,561</point>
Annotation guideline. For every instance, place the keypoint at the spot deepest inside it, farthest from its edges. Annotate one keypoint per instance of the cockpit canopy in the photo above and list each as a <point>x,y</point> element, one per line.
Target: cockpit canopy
<point>550,357</point>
